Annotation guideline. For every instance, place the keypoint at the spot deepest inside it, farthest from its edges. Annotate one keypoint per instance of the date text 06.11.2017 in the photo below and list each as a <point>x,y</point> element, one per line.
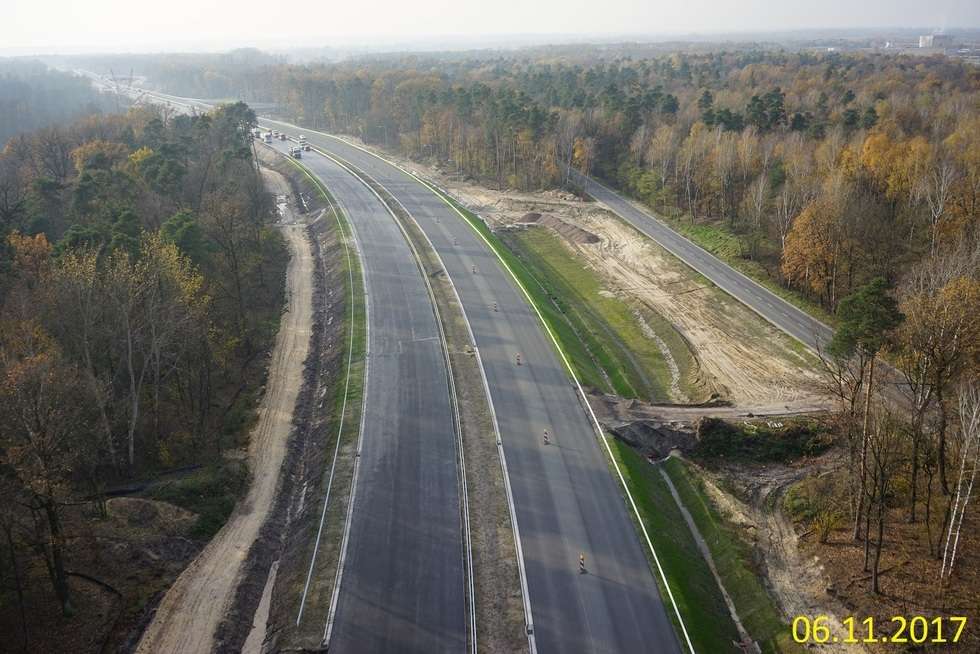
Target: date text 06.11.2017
<point>917,630</point>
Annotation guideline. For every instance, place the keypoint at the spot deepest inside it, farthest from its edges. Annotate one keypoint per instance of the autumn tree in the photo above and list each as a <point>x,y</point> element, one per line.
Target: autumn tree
<point>866,317</point>
<point>43,414</point>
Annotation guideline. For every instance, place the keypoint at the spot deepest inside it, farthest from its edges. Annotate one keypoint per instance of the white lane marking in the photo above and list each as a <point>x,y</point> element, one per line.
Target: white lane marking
<point>508,491</point>
<point>343,409</point>
<point>452,384</point>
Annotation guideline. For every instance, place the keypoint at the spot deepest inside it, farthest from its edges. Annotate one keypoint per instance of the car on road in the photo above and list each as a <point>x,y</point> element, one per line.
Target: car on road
<point>296,152</point>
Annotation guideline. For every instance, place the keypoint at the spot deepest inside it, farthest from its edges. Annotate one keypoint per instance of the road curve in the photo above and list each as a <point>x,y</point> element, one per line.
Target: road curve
<point>403,584</point>
<point>402,587</point>
<point>567,502</point>
<point>801,326</point>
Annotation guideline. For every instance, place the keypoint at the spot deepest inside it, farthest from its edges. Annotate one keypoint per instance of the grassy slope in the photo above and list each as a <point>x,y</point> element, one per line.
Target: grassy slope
<point>693,586</point>
<point>592,329</point>
<point>691,582</point>
<point>733,558</point>
<point>633,363</point>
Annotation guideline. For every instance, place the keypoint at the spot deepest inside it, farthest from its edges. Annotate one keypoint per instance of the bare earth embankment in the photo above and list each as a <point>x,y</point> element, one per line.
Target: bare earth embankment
<point>192,609</point>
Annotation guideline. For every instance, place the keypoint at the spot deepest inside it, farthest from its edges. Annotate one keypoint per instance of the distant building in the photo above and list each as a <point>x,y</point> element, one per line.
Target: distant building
<point>935,41</point>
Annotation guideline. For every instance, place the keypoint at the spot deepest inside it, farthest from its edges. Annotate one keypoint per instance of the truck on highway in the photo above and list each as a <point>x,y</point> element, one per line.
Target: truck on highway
<point>296,152</point>
<point>267,137</point>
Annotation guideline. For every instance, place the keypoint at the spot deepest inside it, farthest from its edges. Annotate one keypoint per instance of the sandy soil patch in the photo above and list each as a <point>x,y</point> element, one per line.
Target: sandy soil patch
<point>748,361</point>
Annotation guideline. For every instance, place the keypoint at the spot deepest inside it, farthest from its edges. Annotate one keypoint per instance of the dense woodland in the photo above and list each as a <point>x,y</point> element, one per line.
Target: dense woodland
<point>33,96</point>
<point>831,169</point>
<point>140,285</point>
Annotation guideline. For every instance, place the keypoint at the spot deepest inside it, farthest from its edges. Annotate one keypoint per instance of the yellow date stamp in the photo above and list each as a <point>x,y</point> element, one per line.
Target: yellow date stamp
<point>916,630</point>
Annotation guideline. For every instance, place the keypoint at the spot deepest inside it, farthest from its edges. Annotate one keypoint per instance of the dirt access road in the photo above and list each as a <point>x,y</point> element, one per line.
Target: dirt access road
<point>192,609</point>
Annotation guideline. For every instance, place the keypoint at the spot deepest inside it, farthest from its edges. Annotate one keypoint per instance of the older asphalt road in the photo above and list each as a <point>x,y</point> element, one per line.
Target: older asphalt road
<point>770,306</point>
<point>567,501</point>
<point>403,584</point>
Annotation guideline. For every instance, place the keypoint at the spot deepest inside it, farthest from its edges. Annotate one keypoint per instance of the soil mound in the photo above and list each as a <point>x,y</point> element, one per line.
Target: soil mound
<point>569,231</point>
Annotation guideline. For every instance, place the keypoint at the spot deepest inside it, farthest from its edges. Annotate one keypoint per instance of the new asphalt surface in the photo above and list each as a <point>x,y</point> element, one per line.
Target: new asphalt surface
<point>567,502</point>
<point>403,587</point>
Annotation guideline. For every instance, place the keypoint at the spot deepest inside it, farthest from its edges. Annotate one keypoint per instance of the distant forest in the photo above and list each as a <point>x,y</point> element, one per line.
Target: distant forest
<point>828,169</point>
<point>33,96</point>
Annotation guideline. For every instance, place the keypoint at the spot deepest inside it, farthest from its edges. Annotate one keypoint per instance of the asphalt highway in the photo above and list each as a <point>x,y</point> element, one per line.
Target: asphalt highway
<point>403,583</point>
<point>767,304</point>
<point>567,502</point>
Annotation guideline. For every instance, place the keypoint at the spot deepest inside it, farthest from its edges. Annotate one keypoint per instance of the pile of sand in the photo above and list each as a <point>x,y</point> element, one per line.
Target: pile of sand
<point>570,232</point>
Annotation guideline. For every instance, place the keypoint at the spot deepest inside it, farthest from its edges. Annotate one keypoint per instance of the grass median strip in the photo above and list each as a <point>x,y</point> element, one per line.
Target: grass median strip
<point>497,595</point>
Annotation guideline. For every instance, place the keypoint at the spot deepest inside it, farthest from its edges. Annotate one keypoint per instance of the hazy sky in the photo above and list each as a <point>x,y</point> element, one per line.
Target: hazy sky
<point>46,25</point>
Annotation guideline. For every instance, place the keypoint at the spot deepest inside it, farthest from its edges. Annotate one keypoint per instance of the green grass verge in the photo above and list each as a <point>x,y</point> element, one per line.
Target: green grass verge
<point>733,559</point>
<point>697,595</point>
<point>633,363</point>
